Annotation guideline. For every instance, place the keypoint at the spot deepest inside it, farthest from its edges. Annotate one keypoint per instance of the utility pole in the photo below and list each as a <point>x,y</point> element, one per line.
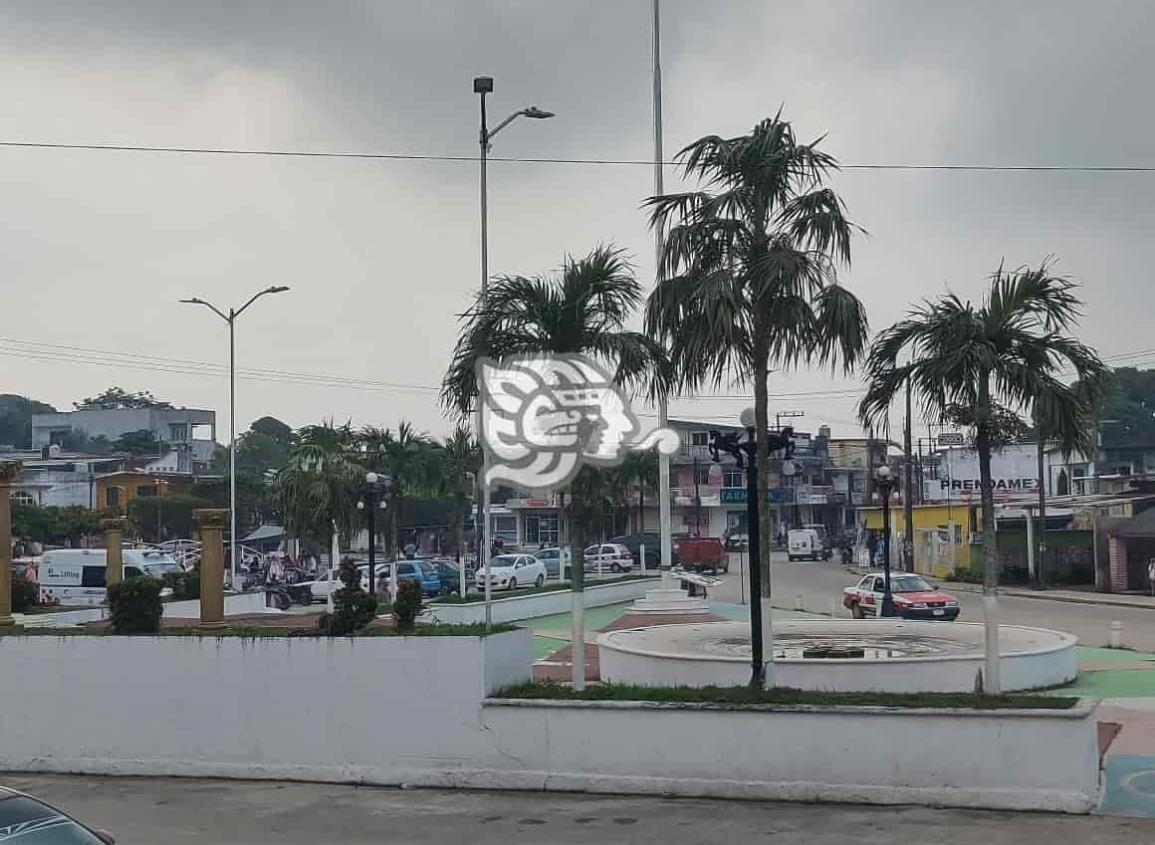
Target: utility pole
<point>907,493</point>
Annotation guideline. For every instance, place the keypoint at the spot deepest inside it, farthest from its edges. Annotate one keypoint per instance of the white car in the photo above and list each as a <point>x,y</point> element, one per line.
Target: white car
<point>552,558</point>
<point>612,556</point>
<point>509,572</point>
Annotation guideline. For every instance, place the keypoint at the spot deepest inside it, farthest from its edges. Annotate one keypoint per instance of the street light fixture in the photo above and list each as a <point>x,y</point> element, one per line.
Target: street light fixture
<point>373,498</point>
<point>885,483</point>
<point>230,318</point>
<point>483,85</point>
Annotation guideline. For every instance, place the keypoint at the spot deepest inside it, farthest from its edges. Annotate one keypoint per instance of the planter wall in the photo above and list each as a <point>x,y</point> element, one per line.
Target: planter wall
<point>1012,759</point>
<point>385,710</point>
<point>235,605</point>
<point>515,608</point>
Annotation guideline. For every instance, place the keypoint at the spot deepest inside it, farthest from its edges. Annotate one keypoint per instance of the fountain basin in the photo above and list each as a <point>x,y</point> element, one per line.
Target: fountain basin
<point>897,655</point>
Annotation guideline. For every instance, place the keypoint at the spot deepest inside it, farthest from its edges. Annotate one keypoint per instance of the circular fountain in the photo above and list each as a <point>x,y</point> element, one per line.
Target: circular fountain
<point>881,655</point>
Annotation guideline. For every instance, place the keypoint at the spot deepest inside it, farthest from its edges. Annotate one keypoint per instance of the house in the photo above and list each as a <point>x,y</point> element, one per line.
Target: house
<point>190,431</point>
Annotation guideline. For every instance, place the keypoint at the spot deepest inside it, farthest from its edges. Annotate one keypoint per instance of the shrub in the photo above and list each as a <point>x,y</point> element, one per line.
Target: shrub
<point>353,608</point>
<point>408,605</point>
<point>967,576</point>
<point>24,594</point>
<point>136,606</point>
<point>184,585</point>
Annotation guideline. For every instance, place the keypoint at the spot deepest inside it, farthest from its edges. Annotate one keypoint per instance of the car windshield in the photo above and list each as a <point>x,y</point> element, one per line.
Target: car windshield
<point>909,584</point>
<point>503,560</point>
<point>25,821</point>
<point>156,570</point>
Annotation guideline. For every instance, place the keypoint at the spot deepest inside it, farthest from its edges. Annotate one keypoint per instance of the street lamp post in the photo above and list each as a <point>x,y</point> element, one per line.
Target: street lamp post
<point>230,318</point>
<point>697,501</point>
<point>483,85</point>
<point>372,498</point>
<point>745,453</point>
<point>884,484</point>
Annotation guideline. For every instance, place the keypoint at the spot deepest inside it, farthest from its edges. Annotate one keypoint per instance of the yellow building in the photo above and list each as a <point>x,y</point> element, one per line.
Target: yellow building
<point>941,534</point>
<point>116,489</point>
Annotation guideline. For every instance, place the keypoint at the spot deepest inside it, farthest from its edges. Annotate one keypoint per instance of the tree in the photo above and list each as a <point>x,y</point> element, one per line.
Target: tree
<point>16,419</point>
<point>142,442</point>
<point>1129,402</point>
<point>639,471</point>
<point>408,459</point>
<point>748,278</point>
<point>262,452</point>
<point>973,361</point>
<point>116,398</point>
<point>584,310</point>
<point>274,429</point>
<point>460,462</point>
<point>318,487</point>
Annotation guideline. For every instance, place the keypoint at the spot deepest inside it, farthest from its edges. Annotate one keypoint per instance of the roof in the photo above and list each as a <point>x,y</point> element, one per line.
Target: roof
<point>265,532</point>
<point>1142,525</point>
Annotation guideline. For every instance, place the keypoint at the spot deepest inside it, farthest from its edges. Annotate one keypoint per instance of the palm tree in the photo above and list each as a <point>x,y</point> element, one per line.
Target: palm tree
<point>408,459</point>
<point>460,461</point>
<point>317,488</point>
<point>639,471</point>
<point>748,276</point>
<point>583,310</point>
<point>975,361</point>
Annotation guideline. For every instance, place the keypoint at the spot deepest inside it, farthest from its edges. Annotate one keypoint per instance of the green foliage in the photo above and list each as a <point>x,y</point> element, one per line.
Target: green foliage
<point>746,696</point>
<point>967,575</point>
<point>16,419</point>
<point>274,429</point>
<point>173,513</point>
<point>53,525</point>
<point>24,594</point>
<point>142,442</point>
<point>353,608</point>
<point>1129,404</point>
<point>184,585</point>
<point>135,606</point>
<point>408,604</point>
<point>77,440</point>
<point>116,398</point>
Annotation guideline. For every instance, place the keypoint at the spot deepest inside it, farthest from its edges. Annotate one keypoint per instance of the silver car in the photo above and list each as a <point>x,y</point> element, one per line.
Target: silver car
<point>24,819</point>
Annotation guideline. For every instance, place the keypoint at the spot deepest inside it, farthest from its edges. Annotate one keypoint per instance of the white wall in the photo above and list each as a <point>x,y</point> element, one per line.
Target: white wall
<point>516,608</point>
<point>1030,760</point>
<point>381,709</point>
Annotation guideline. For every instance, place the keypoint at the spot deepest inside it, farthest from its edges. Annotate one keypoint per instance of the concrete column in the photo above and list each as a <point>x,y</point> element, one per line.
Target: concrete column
<point>9,474</point>
<point>1117,557</point>
<point>211,523</point>
<point>113,529</point>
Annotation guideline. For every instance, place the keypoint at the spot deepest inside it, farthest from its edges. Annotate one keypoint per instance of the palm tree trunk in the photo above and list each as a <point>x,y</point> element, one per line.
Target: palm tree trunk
<point>577,599</point>
<point>992,683</point>
<point>762,424</point>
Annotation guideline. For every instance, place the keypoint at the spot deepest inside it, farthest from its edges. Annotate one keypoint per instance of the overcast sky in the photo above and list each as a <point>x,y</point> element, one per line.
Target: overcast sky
<point>381,255</point>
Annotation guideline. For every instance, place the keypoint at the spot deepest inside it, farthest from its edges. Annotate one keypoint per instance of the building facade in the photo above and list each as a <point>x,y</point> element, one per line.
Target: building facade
<point>190,431</point>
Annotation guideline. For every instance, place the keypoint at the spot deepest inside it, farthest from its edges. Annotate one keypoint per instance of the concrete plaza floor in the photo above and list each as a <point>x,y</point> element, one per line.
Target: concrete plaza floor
<point>148,811</point>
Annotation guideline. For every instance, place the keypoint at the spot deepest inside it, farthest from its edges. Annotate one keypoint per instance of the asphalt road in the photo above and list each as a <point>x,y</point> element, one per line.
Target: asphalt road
<point>146,811</point>
<point>821,584</point>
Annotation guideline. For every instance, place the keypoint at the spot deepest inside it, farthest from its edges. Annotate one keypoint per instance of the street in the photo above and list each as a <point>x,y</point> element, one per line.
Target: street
<point>820,584</point>
<point>148,811</point>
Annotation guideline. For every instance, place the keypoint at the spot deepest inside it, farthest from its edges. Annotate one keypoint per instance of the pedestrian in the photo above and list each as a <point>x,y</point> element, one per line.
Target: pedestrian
<point>1151,576</point>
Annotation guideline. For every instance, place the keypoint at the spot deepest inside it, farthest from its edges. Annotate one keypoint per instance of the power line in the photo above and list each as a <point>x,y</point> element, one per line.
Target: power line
<point>231,151</point>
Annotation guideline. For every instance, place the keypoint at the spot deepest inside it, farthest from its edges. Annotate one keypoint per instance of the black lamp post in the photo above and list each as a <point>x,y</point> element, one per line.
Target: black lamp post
<point>884,485</point>
<point>372,498</point>
<point>697,502</point>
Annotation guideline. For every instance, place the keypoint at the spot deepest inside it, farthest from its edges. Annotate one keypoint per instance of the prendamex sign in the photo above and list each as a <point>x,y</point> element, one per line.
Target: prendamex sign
<point>974,485</point>
<point>1014,471</point>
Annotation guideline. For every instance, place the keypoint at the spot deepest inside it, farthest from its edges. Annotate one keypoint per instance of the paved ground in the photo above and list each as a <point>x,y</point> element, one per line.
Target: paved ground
<point>143,811</point>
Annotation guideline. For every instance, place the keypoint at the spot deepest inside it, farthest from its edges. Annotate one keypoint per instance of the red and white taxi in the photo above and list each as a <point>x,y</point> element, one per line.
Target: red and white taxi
<point>914,597</point>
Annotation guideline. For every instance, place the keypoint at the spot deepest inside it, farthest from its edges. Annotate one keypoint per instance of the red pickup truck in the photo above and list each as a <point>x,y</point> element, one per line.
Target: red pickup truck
<point>702,553</point>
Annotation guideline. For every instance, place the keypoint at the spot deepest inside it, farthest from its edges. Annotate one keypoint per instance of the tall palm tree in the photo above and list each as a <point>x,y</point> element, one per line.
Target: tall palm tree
<point>460,461</point>
<point>584,310</point>
<point>748,276</point>
<point>972,362</point>
<point>317,488</point>
<point>408,459</point>
<point>639,472</point>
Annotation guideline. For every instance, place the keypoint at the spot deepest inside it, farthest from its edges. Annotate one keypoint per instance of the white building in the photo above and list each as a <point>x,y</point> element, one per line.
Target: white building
<point>184,430</point>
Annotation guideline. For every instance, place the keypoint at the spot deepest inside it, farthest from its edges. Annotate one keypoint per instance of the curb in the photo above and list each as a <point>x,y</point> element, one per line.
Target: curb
<point>1043,596</point>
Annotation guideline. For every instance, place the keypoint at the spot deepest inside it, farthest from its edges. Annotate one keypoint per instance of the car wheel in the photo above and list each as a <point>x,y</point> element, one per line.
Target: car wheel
<point>857,611</point>
<point>540,582</point>
<point>512,584</point>
<point>790,558</point>
<point>615,567</point>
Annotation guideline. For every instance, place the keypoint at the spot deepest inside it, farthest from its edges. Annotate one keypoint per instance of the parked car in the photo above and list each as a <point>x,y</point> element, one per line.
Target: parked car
<point>634,542</point>
<point>508,572</point>
<point>914,597</point>
<point>24,818</point>
<point>449,571</point>
<point>552,558</point>
<point>613,557</point>
<point>422,571</point>
<point>806,544</point>
<point>701,553</point>
<point>736,540</point>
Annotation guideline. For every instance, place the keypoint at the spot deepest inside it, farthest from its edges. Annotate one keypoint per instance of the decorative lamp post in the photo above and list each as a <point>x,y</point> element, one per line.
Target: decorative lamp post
<point>372,498</point>
<point>884,486</point>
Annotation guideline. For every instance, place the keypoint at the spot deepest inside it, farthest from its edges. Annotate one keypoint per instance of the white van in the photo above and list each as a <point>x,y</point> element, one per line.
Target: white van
<point>806,543</point>
<point>76,577</point>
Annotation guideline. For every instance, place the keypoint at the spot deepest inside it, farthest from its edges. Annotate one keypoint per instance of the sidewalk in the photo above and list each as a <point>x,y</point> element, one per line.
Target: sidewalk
<point>1075,596</point>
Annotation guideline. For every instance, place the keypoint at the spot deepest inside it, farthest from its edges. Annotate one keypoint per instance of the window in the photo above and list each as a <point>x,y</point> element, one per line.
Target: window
<point>112,497</point>
<point>146,490</point>
<point>23,497</point>
<point>131,572</point>
<point>405,569</point>
<point>93,576</point>
<point>702,475</point>
<point>699,438</point>
<point>733,478</point>
<point>541,529</point>
<point>27,820</point>
<point>178,432</point>
<point>505,528</point>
